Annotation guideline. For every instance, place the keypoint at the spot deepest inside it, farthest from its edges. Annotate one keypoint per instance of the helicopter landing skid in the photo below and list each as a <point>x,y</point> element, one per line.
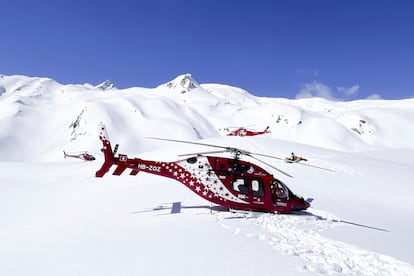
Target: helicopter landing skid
<point>176,207</point>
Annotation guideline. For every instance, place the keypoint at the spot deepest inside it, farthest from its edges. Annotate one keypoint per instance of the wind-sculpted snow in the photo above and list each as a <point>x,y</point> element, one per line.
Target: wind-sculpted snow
<point>301,236</point>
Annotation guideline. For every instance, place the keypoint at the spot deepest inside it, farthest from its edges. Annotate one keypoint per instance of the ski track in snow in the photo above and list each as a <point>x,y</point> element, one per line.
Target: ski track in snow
<point>299,235</point>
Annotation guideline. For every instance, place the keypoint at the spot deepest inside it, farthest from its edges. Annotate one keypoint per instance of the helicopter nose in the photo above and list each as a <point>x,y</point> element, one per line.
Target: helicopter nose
<point>301,204</point>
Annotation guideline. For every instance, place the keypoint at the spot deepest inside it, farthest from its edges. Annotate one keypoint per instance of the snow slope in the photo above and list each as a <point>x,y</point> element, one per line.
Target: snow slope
<point>58,219</point>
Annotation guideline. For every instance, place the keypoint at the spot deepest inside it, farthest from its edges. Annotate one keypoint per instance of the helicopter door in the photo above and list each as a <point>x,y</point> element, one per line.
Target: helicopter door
<point>258,191</point>
<point>249,189</point>
<point>240,186</point>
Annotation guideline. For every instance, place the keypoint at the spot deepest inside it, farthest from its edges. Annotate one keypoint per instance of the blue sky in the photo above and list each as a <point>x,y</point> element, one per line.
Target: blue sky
<point>299,48</point>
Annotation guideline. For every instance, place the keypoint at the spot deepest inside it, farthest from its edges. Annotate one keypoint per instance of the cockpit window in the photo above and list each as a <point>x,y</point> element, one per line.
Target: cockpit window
<point>192,160</point>
<point>243,168</point>
<point>279,190</point>
<point>240,185</point>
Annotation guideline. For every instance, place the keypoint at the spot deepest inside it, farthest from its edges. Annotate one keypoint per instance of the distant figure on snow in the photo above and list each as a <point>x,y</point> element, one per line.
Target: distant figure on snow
<point>294,158</point>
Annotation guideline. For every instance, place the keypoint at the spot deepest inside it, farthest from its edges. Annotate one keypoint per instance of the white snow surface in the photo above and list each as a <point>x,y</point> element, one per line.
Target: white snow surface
<point>57,218</point>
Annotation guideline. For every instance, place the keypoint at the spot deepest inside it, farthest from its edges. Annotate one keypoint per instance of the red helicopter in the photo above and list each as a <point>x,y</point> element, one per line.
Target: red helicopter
<point>242,131</point>
<point>83,156</point>
<point>229,182</point>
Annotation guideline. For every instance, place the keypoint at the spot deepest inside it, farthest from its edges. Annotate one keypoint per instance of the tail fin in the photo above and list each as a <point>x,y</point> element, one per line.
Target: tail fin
<point>266,130</point>
<point>107,151</point>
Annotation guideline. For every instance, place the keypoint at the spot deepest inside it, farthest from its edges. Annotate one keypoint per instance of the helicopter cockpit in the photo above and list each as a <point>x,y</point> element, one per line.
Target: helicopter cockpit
<point>279,191</point>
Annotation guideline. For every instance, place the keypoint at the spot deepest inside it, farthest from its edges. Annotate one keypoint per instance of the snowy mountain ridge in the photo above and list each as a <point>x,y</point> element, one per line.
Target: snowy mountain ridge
<point>106,85</point>
<point>182,84</point>
<point>192,111</point>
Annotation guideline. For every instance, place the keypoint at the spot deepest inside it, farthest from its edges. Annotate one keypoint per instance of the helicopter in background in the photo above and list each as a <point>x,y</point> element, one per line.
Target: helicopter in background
<point>242,131</point>
<point>85,156</point>
<point>229,182</point>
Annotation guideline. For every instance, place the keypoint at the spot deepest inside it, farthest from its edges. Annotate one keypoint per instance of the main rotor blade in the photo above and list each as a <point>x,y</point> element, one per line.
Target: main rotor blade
<point>241,126</point>
<point>267,164</point>
<point>265,155</point>
<point>204,152</point>
<point>230,149</point>
<point>189,142</point>
<point>284,159</point>
<point>313,166</point>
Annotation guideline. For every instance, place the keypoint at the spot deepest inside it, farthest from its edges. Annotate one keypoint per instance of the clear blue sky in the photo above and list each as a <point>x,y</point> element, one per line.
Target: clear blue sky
<point>346,49</point>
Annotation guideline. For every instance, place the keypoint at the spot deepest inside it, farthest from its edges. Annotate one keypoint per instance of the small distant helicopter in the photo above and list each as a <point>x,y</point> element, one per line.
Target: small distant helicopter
<point>83,156</point>
<point>242,131</point>
<point>229,182</point>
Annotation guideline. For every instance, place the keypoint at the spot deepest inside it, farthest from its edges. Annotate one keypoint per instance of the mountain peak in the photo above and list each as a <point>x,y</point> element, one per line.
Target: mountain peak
<point>183,83</point>
<point>106,85</point>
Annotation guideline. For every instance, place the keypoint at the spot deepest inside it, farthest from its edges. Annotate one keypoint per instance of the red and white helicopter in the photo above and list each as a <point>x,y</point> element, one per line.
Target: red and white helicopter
<point>242,131</point>
<point>229,182</point>
<point>83,156</point>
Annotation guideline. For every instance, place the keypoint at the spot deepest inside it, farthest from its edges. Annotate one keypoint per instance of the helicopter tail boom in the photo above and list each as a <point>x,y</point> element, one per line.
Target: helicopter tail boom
<point>107,151</point>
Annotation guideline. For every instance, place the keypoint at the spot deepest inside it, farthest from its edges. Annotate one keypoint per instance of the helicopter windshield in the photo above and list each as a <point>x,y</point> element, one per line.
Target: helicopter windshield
<point>279,190</point>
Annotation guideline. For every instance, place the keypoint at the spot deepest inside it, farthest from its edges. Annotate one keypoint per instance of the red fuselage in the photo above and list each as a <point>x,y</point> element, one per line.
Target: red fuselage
<point>232,183</point>
<point>245,132</point>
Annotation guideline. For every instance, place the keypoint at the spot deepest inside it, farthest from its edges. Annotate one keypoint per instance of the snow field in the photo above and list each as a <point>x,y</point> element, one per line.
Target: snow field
<point>58,219</point>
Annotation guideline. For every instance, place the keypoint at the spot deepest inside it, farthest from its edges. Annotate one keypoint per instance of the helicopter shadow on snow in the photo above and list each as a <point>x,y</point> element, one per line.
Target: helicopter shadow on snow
<point>321,218</point>
<point>176,207</point>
